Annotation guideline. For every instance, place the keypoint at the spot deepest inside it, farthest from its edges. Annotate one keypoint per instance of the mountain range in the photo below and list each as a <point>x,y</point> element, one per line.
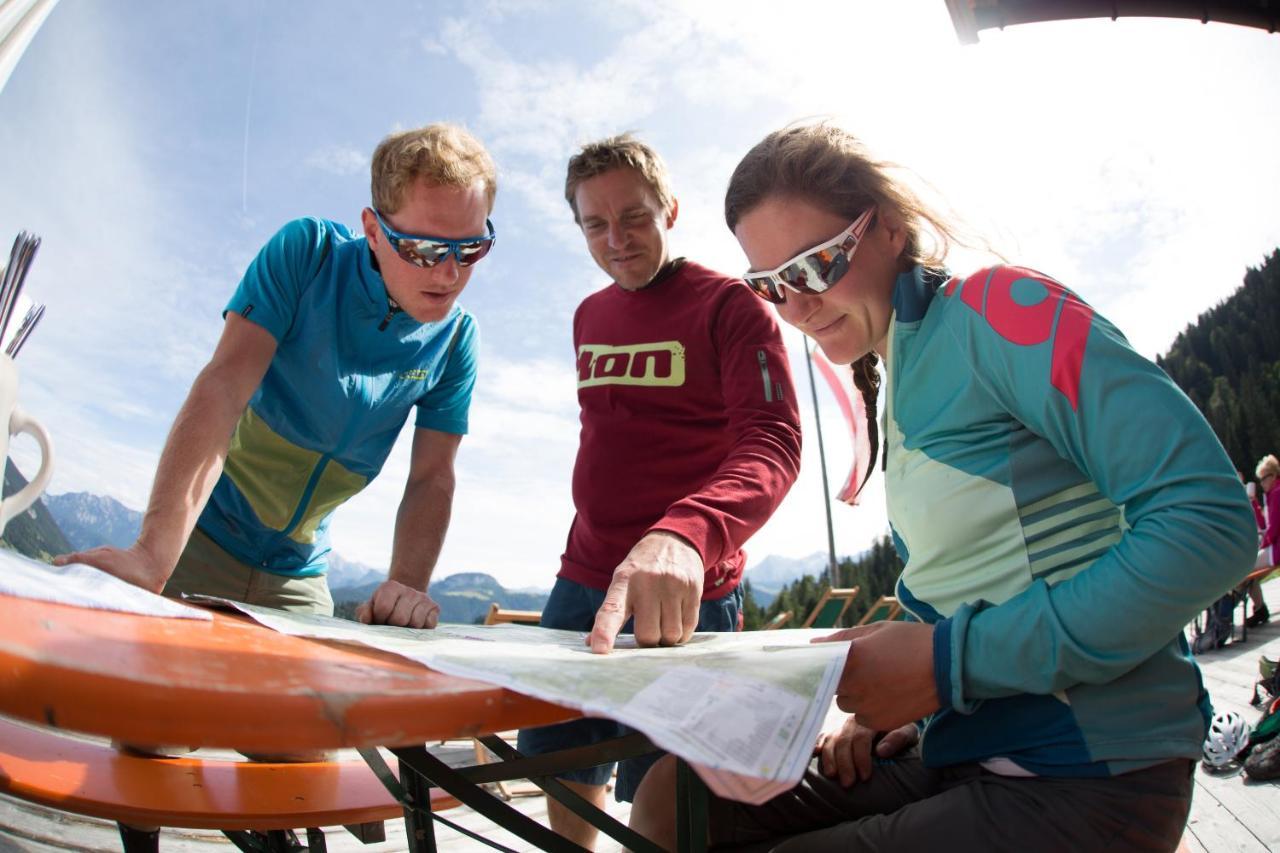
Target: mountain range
<point>771,574</point>
<point>78,520</point>
<point>464,597</point>
<point>34,533</point>
<point>88,520</point>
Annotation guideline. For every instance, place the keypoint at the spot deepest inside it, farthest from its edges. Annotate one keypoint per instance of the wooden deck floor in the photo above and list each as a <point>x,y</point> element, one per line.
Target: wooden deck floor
<point>1233,812</point>
<point>1229,812</point>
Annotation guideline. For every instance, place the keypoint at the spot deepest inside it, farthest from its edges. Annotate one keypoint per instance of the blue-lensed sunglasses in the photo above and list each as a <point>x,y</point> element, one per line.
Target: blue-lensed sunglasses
<point>428,251</point>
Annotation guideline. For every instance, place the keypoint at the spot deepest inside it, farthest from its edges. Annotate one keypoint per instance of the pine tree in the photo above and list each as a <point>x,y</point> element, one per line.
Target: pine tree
<point>1228,363</point>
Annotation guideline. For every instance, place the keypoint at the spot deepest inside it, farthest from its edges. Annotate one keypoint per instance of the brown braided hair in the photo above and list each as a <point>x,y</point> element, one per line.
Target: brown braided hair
<point>866,378</point>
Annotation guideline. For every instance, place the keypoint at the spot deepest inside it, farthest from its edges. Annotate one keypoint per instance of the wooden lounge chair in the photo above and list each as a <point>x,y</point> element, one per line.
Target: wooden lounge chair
<point>777,622</point>
<point>886,608</point>
<point>830,608</point>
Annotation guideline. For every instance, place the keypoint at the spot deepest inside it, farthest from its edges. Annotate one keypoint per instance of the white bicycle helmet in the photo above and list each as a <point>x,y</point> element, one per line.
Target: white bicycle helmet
<point>1228,737</point>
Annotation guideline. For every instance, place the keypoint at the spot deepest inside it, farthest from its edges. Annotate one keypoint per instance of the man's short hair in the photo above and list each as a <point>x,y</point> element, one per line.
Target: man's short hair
<point>618,152</point>
<point>441,154</point>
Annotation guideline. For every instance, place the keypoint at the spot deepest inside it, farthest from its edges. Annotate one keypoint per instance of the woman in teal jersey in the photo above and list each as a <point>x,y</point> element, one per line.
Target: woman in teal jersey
<point>1062,511</point>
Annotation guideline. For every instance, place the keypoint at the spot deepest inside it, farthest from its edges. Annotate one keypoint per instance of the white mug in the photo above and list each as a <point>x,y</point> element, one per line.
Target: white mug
<point>1251,489</point>
<point>20,421</point>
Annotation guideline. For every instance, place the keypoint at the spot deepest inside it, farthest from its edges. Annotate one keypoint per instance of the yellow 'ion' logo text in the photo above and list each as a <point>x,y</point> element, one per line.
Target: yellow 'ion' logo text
<point>658,364</point>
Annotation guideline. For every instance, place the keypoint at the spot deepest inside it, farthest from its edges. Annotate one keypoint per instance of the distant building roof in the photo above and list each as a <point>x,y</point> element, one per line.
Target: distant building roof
<point>971,16</point>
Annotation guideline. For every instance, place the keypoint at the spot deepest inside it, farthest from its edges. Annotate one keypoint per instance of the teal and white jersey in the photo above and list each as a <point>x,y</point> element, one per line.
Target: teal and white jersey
<point>346,373</point>
<point>1063,511</point>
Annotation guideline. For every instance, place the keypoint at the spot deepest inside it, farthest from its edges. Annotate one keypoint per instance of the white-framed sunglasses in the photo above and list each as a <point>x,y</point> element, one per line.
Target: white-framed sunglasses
<point>814,270</point>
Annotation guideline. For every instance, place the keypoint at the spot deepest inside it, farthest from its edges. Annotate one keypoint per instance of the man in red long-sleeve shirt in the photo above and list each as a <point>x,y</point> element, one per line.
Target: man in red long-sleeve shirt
<point>690,440</point>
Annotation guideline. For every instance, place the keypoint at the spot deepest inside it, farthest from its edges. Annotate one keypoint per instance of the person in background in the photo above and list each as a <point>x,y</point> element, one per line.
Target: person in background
<point>1251,489</point>
<point>1062,510</point>
<point>1269,523</point>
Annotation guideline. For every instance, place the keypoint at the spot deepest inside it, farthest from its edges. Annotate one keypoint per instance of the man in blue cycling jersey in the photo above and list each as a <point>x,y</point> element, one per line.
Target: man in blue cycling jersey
<point>330,340</point>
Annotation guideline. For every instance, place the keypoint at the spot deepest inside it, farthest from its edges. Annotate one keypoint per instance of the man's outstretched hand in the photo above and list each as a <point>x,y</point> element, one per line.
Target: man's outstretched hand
<point>393,603</point>
<point>660,585</point>
<point>134,564</point>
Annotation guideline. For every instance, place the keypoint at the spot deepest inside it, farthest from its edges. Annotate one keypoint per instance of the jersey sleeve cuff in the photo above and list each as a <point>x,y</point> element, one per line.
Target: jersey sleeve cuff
<point>453,426</point>
<point>948,660</point>
<point>257,314</point>
<point>692,530</point>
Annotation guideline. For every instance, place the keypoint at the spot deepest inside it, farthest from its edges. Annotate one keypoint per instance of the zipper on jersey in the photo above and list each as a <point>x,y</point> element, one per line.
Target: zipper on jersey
<point>314,480</point>
<point>764,374</point>
<point>392,308</point>
<point>305,500</point>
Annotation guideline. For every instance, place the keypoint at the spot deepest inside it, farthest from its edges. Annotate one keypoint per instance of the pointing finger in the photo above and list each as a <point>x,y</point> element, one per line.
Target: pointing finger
<point>610,618</point>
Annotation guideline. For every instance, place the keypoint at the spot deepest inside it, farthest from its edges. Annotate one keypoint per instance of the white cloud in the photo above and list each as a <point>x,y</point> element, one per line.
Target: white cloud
<point>339,160</point>
<point>434,46</point>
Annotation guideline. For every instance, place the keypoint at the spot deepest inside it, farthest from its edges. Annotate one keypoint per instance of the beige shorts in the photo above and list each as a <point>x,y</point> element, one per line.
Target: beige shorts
<point>207,569</point>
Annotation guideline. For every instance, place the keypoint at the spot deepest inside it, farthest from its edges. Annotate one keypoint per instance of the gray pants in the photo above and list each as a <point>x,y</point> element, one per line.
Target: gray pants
<point>207,569</point>
<point>907,807</point>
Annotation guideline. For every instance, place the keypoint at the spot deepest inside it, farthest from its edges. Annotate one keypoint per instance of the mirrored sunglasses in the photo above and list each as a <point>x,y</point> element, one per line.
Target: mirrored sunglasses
<point>814,270</point>
<point>428,251</point>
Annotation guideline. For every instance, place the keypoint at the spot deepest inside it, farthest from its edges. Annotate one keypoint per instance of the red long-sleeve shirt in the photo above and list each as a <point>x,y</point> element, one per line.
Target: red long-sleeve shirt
<point>689,423</point>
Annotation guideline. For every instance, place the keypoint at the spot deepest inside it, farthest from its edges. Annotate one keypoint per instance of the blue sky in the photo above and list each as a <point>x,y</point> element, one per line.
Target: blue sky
<point>156,145</point>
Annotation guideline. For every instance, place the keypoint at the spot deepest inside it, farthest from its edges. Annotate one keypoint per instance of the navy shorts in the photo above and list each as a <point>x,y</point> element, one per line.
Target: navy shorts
<point>572,607</point>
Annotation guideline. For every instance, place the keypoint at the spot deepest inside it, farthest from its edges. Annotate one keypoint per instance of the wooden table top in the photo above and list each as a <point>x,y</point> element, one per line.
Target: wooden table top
<point>230,682</point>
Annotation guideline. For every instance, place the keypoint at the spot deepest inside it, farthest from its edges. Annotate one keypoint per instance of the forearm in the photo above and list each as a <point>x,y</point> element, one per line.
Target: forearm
<point>189,467</point>
<point>763,418</point>
<point>1187,534</point>
<point>743,493</point>
<point>1106,620</point>
<point>421,523</point>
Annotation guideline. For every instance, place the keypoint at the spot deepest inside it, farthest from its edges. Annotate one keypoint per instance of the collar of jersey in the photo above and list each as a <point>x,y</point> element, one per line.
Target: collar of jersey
<point>912,293</point>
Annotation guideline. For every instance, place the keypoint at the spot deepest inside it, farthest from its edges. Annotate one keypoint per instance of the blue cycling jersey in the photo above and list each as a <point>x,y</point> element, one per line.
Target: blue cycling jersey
<point>1063,511</point>
<point>346,371</point>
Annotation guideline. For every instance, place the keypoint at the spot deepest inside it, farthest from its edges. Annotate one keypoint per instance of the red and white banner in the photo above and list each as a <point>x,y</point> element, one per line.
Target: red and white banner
<point>855,415</point>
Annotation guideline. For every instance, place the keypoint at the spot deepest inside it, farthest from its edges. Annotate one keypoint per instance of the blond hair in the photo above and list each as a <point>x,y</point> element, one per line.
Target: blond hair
<point>1267,465</point>
<point>623,151</point>
<point>441,154</point>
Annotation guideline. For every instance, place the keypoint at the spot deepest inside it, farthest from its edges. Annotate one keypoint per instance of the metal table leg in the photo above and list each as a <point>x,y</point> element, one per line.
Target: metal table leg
<point>691,810</point>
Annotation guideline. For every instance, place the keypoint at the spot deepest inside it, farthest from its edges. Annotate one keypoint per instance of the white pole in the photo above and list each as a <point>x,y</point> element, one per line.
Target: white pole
<point>19,20</point>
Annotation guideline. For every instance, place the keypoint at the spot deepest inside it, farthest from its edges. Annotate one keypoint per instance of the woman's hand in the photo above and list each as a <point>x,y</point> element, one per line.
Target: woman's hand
<point>888,673</point>
<point>847,751</point>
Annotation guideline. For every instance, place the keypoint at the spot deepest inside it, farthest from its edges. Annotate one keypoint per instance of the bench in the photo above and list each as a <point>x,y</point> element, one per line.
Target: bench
<point>501,616</point>
<point>93,778</point>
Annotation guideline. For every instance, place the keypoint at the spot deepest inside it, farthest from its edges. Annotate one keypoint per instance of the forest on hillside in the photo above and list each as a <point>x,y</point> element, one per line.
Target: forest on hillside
<point>874,573</point>
<point>1228,363</point>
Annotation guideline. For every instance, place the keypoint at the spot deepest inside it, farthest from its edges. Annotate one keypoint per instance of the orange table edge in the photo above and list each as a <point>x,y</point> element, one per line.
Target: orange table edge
<point>229,682</point>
